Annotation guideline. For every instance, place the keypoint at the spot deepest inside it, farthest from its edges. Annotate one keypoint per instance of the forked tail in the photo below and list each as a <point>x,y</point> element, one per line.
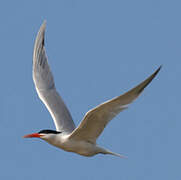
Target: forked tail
<point>105,151</point>
<point>115,154</point>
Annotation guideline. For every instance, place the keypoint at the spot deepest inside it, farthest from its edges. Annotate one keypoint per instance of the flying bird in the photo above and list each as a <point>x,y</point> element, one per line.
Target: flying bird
<point>81,139</point>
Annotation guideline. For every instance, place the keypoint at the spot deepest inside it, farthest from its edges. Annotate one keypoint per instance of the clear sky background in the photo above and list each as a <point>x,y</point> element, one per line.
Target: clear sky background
<point>97,50</point>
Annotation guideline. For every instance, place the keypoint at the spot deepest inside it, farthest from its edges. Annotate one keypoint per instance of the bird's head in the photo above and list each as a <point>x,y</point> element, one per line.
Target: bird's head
<point>43,134</point>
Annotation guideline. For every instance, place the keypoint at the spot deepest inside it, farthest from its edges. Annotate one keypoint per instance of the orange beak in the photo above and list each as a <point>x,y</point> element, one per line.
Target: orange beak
<point>34,135</point>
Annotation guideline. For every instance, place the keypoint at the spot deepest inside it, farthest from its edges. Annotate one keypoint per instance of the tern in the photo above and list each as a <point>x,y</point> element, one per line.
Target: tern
<point>81,139</point>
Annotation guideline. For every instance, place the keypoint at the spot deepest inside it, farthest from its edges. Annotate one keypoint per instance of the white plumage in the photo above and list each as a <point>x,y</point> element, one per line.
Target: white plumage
<point>81,140</point>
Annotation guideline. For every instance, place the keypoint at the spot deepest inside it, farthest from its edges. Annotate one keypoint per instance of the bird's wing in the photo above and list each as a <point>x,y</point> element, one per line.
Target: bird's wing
<point>96,119</point>
<point>45,86</point>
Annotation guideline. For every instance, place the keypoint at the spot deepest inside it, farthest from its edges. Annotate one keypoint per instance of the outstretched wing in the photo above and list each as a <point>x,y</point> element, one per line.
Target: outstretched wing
<point>45,86</point>
<point>96,119</point>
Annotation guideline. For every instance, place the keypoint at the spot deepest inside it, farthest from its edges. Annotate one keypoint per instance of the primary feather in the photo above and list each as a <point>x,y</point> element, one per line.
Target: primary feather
<point>45,86</point>
<point>96,119</point>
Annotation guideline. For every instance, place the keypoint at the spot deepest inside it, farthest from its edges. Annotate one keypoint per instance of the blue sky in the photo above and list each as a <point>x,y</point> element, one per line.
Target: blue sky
<point>97,50</point>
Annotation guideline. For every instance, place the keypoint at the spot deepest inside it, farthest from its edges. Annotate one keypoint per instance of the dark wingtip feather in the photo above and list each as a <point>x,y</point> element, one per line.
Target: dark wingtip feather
<point>43,41</point>
<point>156,72</point>
<point>43,26</point>
<point>147,81</point>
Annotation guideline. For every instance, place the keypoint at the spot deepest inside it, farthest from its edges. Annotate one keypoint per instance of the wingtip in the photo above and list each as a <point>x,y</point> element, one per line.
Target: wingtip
<point>159,68</point>
<point>145,83</point>
<point>41,32</point>
<point>156,72</point>
<point>43,26</point>
<point>44,22</point>
<point>40,39</point>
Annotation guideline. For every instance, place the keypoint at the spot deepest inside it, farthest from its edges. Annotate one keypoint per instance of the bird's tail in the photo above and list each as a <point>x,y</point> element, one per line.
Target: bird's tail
<point>105,151</point>
<point>115,154</point>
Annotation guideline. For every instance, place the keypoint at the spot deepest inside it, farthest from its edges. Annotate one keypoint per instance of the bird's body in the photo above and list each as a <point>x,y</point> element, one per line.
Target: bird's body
<point>83,148</point>
<point>80,140</point>
<point>80,147</point>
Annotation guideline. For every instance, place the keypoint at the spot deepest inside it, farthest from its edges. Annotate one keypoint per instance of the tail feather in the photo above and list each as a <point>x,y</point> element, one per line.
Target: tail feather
<point>115,154</point>
<point>105,151</point>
